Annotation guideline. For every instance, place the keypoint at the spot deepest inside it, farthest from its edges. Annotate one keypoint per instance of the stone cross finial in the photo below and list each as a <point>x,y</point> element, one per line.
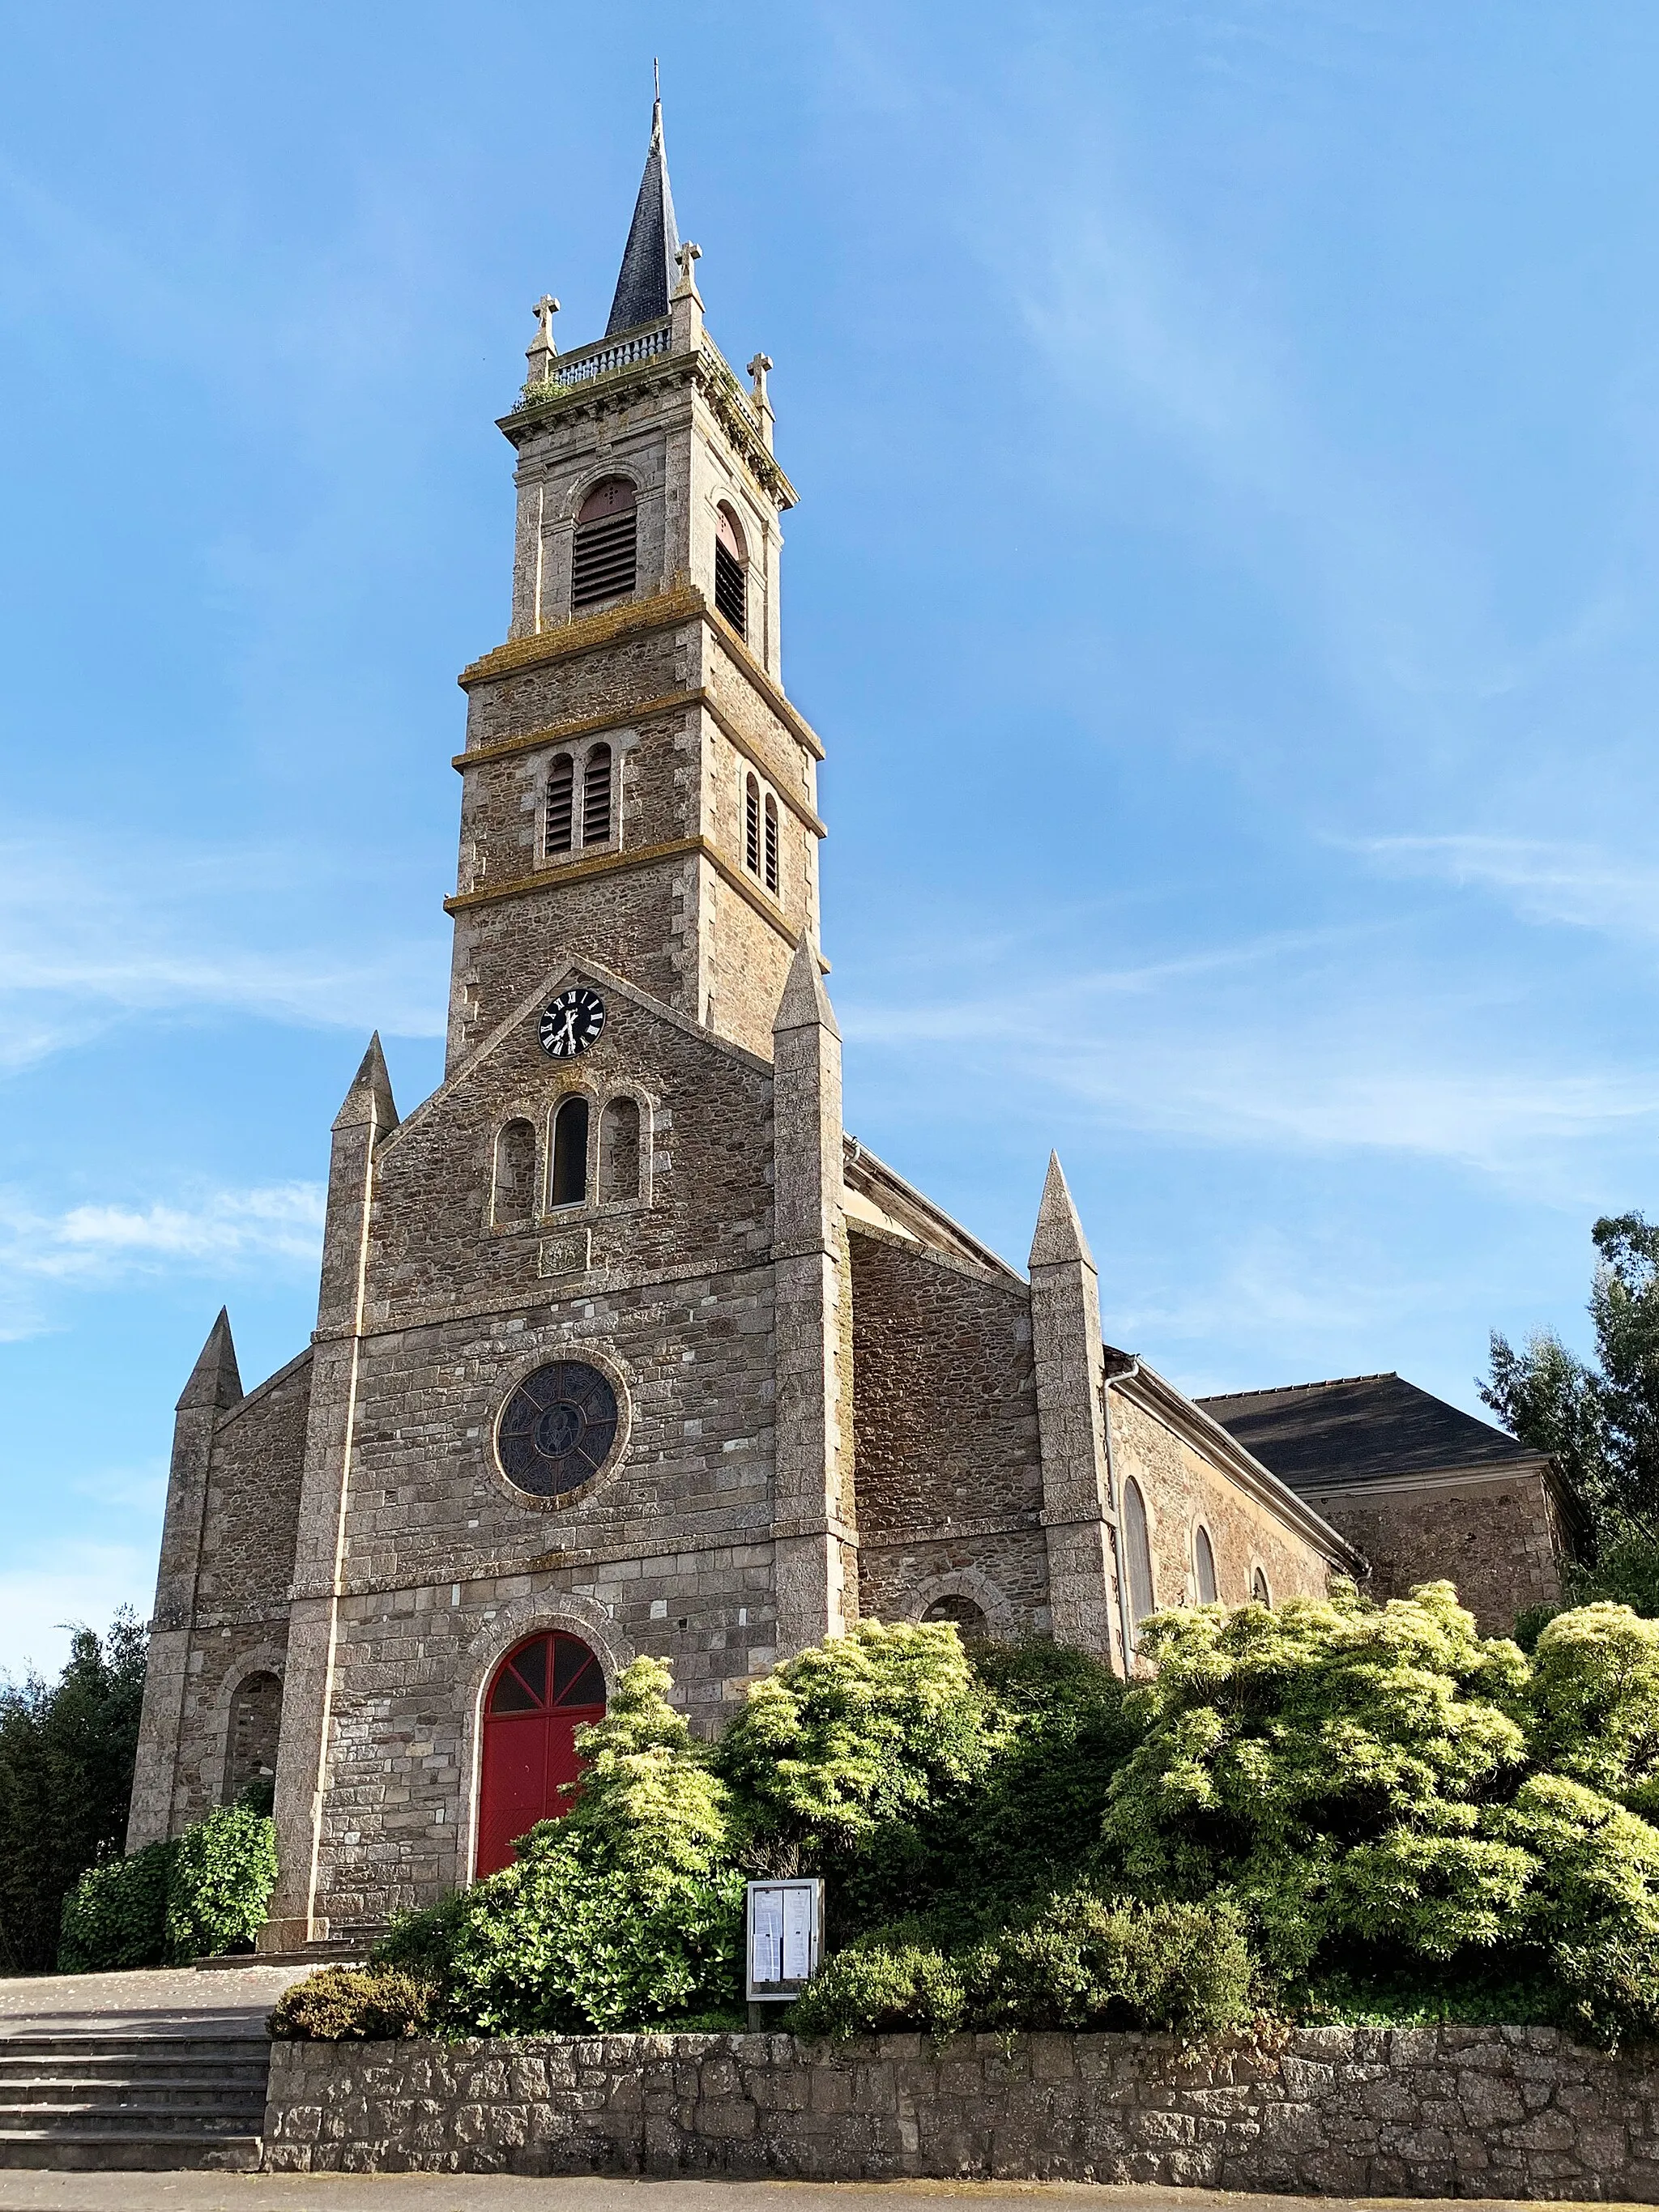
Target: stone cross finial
<point>687,255</point>
<point>757,369</point>
<point>544,310</point>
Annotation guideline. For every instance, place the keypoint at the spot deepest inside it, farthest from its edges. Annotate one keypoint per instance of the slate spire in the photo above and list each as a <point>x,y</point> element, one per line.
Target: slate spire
<point>649,263</point>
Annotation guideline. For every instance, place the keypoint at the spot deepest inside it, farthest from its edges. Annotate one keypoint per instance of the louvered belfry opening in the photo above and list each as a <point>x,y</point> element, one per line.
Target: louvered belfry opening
<point>771,843</point>
<point>603,556</point>
<point>596,797</point>
<point>731,572</point>
<point>751,831</point>
<point>561,797</point>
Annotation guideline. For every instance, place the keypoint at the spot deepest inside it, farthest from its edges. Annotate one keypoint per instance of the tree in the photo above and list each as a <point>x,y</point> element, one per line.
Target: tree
<point>67,1752</point>
<point>1600,1422</point>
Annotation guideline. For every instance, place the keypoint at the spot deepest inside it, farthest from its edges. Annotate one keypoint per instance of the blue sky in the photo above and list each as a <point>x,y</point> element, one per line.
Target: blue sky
<point>1225,579</point>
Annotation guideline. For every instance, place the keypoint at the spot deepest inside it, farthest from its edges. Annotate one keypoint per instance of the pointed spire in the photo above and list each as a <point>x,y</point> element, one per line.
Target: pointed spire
<point>370,1099</point>
<point>1059,1238</point>
<point>650,264</point>
<point>214,1381</point>
<point>805,1003</point>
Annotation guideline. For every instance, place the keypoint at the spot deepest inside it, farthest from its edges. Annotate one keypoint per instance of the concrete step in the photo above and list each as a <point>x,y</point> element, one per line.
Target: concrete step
<point>134,2153</point>
<point>103,2118</point>
<point>101,2095</point>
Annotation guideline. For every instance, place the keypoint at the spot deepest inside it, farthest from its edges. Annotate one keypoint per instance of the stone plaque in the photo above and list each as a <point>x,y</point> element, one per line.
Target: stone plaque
<point>567,1254</point>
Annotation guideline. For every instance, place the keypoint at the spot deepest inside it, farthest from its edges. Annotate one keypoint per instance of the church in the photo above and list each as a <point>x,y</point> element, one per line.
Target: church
<point>623,1344</point>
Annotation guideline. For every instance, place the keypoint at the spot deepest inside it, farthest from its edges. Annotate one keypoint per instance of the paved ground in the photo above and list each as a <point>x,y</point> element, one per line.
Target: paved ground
<point>162,2000</point>
<point>427,2192</point>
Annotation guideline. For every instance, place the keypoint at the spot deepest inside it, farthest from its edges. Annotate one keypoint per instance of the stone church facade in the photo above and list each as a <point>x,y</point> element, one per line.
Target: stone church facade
<point>624,1344</point>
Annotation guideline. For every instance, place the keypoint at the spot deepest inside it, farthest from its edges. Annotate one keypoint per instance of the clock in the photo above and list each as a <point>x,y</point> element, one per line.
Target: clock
<point>572,1022</point>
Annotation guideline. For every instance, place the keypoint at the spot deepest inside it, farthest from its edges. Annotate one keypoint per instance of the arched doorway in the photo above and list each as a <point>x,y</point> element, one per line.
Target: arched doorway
<point>542,1692</point>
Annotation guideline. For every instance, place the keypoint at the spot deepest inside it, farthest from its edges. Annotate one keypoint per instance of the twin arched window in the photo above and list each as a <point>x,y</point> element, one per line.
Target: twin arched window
<point>731,571</point>
<point>560,819</point>
<point>760,833</point>
<point>620,1152</point>
<point>604,548</point>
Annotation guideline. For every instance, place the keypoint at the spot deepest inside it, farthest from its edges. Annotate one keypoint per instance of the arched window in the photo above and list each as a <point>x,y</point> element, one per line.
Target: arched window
<point>751,825</point>
<point>1204,1565</point>
<point>596,797</point>
<point>771,842</point>
<point>603,552</point>
<point>1137,1544</point>
<point>971,1622</point>
<point>542,1693</point>
<point>570,1152</point>
<point>1260,1594</point>
<point>256,1720</point>
<point>731,571</point>
<point>514,1200</point>
<point>619,1149</point>
<point>557,820</point>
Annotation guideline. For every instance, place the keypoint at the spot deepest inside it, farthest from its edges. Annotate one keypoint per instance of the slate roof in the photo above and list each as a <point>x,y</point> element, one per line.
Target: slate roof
<point>649,268</point>
<point>1361,1428</point>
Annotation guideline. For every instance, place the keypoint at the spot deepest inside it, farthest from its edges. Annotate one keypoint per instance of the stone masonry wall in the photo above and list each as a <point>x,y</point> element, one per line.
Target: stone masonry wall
<point>1435,2112</point>
<point>950,1468</point>
<point>1497,1540</point>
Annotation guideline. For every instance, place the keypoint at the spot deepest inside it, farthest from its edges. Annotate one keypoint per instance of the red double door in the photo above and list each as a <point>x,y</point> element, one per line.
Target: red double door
<point>542,1693</point>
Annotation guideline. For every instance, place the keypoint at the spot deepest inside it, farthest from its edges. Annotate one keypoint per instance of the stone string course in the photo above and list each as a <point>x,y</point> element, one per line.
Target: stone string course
<point>1438,2112</point>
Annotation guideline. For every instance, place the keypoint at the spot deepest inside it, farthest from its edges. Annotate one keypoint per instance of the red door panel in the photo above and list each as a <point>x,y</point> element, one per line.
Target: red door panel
<point>542,1692</point>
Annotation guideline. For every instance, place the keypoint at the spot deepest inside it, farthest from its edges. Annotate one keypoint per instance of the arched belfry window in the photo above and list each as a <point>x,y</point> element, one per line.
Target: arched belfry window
<point>731,571</point>
<point>604,552</point>
<point>1204,1566</point>
<point>619,1149</point>
<point>751,824</point>
<point>596,797</point>
<point>570,1153</point>
<point>771,843</point>
<point>1138,1546</point>
<point>514,1197</point>
<point>558,819</point>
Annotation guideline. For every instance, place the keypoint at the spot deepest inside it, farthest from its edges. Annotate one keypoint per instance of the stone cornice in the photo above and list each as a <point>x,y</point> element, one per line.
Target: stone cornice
<point>681,602</point>
<point>642,856</point>
<point>588,726</point>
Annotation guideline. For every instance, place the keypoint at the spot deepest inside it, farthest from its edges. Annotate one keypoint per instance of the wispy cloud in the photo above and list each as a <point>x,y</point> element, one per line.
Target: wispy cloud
<point>49,1589</point>
<point>81,948</point>
<point>1578,885</point>
<point>106,1244</point>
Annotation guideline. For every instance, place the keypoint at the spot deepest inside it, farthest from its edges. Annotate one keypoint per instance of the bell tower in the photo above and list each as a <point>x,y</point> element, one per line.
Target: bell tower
<point>636,786</point>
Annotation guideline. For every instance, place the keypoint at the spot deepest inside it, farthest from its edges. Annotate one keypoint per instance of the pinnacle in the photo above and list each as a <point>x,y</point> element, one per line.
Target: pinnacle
<point>369,1101</point>
<point>805,1003</point>
<point>214,1381</point>
<point>1059,1238</point>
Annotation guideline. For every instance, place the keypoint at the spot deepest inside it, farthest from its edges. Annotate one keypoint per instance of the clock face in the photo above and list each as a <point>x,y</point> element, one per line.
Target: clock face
<point>572,1022</point>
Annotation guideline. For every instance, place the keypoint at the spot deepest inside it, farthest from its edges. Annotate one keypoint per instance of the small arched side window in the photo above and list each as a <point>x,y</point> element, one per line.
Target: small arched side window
<point>596,797</point>
<point>619,1149</point>
<point>1260,1594</point>
<point>604,548</point>
<point>558,818</point>
<point>1204,1565</point>
<point>514,1200</point>
<point>1138,1545</point>
<point>969,1618</point>
<point>771,844</point>
<point>751,824</point>
<point>570,1152</point>
<point>731,571</point>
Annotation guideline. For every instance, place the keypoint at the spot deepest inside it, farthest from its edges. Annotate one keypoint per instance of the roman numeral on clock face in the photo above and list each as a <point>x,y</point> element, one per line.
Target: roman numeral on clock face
<point>571,1023</point>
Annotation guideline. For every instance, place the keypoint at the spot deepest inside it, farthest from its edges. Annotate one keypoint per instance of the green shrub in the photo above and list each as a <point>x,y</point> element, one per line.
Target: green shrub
<point>867,1730</point>
<point>219,1883</point>
<point>116,1914</point>
<point>204,1891</point>
<point>341,2004</point>
<point>1081,1962</point>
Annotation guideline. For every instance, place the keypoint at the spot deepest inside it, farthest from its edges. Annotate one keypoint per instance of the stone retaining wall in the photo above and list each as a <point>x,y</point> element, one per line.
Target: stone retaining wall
<point>1432,2111</point>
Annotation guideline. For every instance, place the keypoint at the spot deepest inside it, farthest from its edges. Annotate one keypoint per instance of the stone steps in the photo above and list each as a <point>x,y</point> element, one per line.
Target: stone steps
<point>132,2102</point>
